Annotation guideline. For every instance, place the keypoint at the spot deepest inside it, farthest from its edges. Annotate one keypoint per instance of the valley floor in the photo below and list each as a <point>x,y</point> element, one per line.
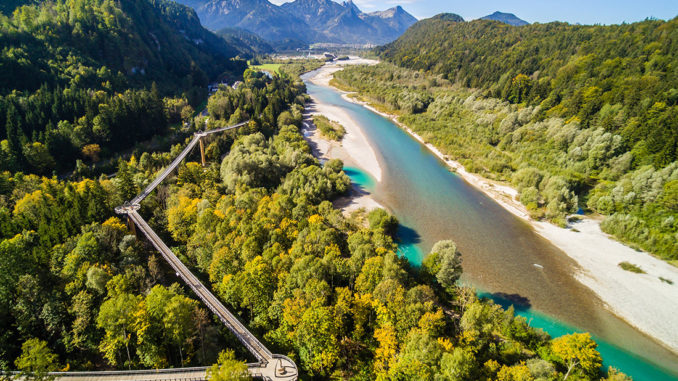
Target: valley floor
<point>644,300</point>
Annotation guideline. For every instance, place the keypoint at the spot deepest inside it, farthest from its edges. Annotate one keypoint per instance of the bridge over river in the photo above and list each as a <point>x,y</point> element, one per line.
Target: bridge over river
<point>269,366</point>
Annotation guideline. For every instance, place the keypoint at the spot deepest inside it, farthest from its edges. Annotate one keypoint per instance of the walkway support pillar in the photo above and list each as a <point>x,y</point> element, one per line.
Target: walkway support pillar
<point>202,152</point>
<point>131,226</point>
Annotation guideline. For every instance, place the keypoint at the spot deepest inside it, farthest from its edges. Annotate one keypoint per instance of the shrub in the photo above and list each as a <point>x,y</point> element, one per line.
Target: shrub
<point>527,177</point>
<point>631,267</point>
<point>329,129</point>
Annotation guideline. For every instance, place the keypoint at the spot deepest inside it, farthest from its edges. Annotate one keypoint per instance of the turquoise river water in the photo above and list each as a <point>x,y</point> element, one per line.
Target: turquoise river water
<point>499,250</point>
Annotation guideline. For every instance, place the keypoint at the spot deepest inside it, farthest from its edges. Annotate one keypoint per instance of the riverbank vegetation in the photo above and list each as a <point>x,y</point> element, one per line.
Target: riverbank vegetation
<point>594,106</point>
<point>557,165</point>
<point>332,293</point>
<point>329,129</point>
<point>631,267</point>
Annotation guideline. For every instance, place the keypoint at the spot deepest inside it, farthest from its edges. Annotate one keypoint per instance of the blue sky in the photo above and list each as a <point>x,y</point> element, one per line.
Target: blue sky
<point>572,11</point>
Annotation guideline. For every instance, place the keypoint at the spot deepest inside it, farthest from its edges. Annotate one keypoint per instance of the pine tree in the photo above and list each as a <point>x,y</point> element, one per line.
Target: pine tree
<point>126,187</point>
<point>14,135</point>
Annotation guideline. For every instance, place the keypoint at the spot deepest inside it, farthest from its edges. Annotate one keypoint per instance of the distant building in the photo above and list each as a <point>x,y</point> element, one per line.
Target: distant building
<point>214,87</point>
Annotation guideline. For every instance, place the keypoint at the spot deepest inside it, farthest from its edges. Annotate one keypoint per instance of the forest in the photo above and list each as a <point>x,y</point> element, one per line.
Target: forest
<point>78,291</point>
<point>573,128</point>
<point>82,80</point>
<point>621,78</point>
<point>76,288</point>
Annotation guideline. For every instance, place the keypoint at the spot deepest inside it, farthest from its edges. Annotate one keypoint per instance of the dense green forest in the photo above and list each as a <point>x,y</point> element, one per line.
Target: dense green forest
<point>236,36</point>
<point>80,80</point>
<point>528,119</point>
<point>78,292</point>
<point>621,78</point>
<point>76,288</point>
<point>330,290</point>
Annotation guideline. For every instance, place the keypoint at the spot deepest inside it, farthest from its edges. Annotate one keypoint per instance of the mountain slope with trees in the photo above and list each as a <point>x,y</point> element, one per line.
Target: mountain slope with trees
<point>575,116</point>
<point>620,77</point>
<point>255,44</point>
<point>79,80</point>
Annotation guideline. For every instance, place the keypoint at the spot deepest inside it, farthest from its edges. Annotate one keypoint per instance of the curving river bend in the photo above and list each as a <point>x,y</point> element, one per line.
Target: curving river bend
<point>499,250</point>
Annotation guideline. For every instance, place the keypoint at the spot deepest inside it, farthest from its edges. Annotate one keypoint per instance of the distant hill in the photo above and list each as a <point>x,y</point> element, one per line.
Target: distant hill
<point>394,22</point>
<point>506,18</point>
<point>245,39</point>
<point>307,21</point>
<point>448,17</point>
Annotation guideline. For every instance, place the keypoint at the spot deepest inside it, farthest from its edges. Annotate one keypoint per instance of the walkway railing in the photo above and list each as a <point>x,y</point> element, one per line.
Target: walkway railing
<point>270,366</point>
<point>175,163</point>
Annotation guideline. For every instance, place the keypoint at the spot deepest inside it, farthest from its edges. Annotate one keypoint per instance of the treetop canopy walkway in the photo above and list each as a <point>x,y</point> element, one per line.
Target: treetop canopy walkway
<point>270,366</point>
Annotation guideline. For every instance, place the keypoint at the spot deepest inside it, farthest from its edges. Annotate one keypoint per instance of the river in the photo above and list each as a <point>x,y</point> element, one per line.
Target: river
<point>499,250</point>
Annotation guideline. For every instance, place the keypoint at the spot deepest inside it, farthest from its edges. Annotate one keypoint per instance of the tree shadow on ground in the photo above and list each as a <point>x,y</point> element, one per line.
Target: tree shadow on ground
<point>519,302</point>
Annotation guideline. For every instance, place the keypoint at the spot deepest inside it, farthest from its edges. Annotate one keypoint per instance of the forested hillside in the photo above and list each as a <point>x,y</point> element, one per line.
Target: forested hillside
<point>575,116</point>
<point>619,77</point>
<point>77,291</point>
<point>622,78</point>
<point>77,77</point>
<point>255,44</point>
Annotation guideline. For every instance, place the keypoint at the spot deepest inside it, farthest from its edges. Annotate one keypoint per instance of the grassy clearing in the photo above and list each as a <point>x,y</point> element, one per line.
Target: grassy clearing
<point>329,129</point>
<point>631,267</point>
<point>270,67</point>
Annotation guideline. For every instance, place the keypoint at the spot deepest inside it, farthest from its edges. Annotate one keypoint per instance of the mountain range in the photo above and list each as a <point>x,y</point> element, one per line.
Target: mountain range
<point>306,21</point>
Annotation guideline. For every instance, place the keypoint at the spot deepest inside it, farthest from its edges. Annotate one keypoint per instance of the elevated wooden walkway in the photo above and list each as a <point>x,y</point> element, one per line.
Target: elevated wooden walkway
<point>270,366</point>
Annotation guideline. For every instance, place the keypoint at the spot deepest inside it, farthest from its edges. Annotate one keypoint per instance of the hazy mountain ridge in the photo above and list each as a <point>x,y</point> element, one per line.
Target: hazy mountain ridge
<point>305,20</point>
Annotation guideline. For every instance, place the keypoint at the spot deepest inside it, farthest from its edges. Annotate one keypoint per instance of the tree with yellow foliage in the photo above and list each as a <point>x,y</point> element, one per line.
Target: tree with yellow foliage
<point>577,352</point>
<point>228,368</point>
<point>91,151</point>
<point>518,372</point>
